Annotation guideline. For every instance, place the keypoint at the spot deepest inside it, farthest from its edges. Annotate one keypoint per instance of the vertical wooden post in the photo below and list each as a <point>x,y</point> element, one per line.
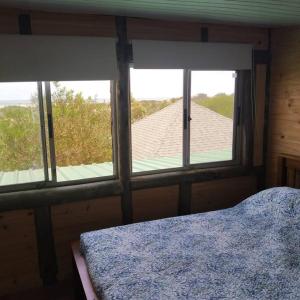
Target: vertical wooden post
<point>185,191</point>
<point>123,115</point>
<point>45,243</point>
<point>245,94</point>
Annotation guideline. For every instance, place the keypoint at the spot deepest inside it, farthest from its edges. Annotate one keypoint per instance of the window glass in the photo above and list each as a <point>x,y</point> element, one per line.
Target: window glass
<point>20,136</point>
<point>156,119</point>
<point>82,129</point>
<point>212,111</point>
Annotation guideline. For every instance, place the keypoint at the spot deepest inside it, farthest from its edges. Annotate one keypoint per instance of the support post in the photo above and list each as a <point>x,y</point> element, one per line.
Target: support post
<point>45,244</point>
<point>123,115</point>
<point>185,191</point>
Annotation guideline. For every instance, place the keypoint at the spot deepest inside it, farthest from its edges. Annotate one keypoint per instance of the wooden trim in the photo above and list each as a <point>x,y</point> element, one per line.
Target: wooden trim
<point>123,115</point>
<point>82,271</point>
<point>45,245</point>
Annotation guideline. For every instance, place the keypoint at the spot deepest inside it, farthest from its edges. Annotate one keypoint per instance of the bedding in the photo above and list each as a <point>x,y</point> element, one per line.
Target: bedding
<point>250,251</point>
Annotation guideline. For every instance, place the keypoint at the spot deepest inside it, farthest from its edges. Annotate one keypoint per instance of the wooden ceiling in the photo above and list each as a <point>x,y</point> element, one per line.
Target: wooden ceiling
<point>271,13</point>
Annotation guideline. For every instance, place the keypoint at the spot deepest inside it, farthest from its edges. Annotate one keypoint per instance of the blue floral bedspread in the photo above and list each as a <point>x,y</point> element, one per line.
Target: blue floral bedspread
<point>250,251</point>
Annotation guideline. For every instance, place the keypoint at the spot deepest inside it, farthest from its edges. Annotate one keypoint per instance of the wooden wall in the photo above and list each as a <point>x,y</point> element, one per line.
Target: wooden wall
<point>284,115</point>
<point>19,268</point>
<point>219,194</point>
<point>18,252</point>
<point>71,219</point>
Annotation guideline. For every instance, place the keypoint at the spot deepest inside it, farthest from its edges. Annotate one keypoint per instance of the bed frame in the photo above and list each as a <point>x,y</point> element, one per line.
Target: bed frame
<point>288,175</point>
<point>289,171</point>
<point>82,282</point>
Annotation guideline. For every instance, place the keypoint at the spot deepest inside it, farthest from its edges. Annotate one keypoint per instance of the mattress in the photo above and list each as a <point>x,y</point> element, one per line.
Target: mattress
<point>250,251</point>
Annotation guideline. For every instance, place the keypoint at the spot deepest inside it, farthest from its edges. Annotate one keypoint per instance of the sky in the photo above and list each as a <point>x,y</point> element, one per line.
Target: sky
<point>145,84</point>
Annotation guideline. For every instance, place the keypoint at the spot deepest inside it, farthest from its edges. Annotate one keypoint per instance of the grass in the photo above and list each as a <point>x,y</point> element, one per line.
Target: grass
<point>221,103</point>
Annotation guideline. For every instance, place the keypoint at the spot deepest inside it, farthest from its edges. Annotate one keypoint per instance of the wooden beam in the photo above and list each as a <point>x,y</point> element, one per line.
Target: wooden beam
<point>45,245</point>
<point>185,192</point>
<point>246,100</point>
<point>123,116</point>
<point>267,113</point>
<point>58,195</point>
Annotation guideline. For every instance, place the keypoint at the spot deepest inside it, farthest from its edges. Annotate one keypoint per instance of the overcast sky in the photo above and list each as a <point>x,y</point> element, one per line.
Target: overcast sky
<point>145,84</point>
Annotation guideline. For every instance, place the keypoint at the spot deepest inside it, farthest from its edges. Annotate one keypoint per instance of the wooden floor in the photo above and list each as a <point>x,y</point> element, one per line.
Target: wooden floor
<point>61,291</point>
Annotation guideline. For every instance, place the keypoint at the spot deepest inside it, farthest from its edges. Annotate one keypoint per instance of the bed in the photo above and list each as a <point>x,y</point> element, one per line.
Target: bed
<point>250,251</point>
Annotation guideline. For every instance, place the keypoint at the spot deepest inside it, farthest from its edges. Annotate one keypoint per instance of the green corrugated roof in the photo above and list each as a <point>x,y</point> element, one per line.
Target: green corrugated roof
<point>70,173</point>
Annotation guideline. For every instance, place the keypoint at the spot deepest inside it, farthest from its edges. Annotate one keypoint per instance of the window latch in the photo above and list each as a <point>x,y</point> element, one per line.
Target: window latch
<point>187,118</point>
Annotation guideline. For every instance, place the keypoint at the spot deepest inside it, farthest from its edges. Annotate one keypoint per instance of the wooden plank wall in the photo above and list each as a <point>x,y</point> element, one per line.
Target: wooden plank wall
<point>219,194</point>
<point>19,268</point>
<point>284,115</point>
<point>69,220</point>
<point>18,255</point>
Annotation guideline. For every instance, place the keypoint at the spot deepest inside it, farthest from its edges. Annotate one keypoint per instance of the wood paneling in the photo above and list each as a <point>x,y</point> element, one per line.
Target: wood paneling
<point>9,21</point>
<point>147,29</point>
<point>138,28</point>
<point>72,24</point>
<point>234,34</point>
<point>70,220</point>
<point>218,194</point>
<point>191,31</point>
<point>284,117</point>
<point>19,268</point>
<point>156,203</point>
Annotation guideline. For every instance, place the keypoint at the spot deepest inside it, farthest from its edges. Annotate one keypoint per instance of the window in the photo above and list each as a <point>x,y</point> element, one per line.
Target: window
<point>181,118</point>
<point>21,155</point>
<point>156,119</point>
<point>55,131</point>
<point>212,116</point>
<point>82,115</point>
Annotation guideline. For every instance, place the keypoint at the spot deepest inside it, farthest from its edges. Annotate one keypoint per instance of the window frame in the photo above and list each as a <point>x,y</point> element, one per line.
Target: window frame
<point>45,117</point>
<point>236,138</point>
<point>238,150</point>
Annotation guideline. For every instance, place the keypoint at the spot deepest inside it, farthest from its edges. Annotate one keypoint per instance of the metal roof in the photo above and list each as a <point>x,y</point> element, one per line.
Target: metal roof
<point>106,169</point>
<point>259,12</point>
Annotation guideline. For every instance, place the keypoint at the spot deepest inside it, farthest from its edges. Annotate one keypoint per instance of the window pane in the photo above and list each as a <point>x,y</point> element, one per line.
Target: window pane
<point>156,117</point>
<point>82,129</point>
<point>20,137</point>
<point>212,110</point>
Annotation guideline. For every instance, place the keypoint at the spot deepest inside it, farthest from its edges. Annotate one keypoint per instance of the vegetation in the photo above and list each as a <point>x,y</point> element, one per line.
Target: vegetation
<point>221,103</point>
<point>143,108</point>
<point>19,138</point>
<point>82,128</point>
